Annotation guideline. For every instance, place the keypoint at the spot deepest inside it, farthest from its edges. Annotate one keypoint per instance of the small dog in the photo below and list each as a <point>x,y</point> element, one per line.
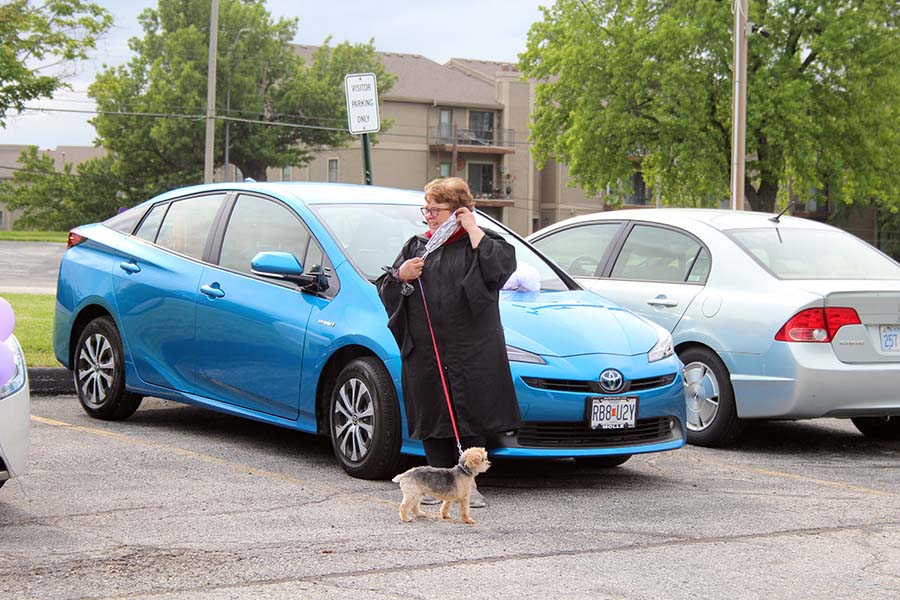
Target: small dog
<point>449,485</point>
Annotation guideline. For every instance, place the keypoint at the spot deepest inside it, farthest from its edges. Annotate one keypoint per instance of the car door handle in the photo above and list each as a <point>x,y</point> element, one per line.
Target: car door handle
<point>130,266</point>
<point>213,291</point>
<point>661,300</point>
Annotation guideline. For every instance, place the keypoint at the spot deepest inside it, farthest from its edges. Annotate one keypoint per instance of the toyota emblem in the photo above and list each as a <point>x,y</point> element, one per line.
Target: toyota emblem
<point>611,381</point>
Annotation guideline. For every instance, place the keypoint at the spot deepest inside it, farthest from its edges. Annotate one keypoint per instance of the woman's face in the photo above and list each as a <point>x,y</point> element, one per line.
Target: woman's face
<point>435,213</point>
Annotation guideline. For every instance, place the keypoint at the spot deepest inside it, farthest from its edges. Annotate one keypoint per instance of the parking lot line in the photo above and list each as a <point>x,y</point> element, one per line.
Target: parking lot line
<point>824,482</point>
<point>198,456</point>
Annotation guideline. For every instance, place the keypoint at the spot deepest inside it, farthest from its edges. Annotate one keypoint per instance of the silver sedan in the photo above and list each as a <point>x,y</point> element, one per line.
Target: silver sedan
<point>773,317</point>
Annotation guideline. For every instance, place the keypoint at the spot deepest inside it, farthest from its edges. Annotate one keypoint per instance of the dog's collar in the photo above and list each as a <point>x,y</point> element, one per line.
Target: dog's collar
<point>463,468</point>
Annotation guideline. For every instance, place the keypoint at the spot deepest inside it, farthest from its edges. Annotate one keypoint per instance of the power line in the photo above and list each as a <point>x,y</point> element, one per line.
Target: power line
<point>200,117</point>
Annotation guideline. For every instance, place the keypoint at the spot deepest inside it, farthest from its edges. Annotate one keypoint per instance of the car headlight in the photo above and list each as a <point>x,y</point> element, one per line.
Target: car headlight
<point>17,380</point>
<point>663,348</point>
<point>518,355</point>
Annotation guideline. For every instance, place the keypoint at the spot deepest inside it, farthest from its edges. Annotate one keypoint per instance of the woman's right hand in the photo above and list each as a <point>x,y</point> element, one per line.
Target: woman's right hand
<point>411,269</point>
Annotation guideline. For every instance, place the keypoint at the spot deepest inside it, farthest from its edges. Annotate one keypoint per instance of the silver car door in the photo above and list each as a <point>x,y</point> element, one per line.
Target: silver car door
<point>656,273</point>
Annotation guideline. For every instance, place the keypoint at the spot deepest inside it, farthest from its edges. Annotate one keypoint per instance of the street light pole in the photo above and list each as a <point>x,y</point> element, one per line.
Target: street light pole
<point>739,107</point>
<point>209,154</point>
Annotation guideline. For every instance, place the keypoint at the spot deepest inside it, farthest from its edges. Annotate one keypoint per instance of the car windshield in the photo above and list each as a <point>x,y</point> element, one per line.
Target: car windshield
<point>373,234</point>
<point>814,254</point>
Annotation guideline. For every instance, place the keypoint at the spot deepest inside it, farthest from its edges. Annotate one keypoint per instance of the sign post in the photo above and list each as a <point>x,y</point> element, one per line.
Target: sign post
<point>362,113</point>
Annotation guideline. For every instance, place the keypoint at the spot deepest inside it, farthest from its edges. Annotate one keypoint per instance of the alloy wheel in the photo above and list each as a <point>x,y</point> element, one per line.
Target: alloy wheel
<point>354,419</point>
<point>96,369</point>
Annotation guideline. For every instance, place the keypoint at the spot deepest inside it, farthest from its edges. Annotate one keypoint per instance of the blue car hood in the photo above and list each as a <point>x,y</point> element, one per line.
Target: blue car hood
<point>570,323</point>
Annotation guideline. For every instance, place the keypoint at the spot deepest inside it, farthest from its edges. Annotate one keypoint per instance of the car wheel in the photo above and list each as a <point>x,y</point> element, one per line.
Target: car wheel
<point>365,420</point>
<point>880,428</point>
<point>711,413</point>
<point>99,372</point>
<point>603,462</point>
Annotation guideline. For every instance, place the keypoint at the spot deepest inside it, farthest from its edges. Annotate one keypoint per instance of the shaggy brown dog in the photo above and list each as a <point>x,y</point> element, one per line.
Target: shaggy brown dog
<point>449,485</point>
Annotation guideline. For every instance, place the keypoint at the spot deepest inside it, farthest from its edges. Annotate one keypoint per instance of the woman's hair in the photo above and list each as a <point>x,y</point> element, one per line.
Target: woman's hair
<point>449,190</point>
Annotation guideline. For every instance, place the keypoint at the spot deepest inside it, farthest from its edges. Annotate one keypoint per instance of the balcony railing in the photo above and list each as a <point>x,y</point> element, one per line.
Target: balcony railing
<point>445,136</point>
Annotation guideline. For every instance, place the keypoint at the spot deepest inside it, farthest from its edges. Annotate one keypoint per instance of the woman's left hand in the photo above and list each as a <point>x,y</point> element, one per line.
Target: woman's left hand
<point>466,219</point>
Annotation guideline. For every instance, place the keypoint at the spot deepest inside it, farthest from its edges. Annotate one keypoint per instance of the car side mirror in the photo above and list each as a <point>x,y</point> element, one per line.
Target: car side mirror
<point>284,265</point>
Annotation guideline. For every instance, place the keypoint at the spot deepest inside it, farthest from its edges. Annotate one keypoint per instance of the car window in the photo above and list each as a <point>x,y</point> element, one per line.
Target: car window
<point>699,271</point>
<point>186,225</point>
<point>262,225</point>
<point>814,254</point>
<point>579,249</point>
<point>126,219</point>
<point>150,225</point>
<point>658,254</point>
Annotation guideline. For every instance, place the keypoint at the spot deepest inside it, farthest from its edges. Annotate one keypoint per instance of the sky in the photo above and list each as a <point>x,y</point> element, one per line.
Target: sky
<point>438,30</point>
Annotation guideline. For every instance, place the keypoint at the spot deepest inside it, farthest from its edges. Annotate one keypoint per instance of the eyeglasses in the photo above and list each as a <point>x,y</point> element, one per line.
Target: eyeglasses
<point>428,211</point>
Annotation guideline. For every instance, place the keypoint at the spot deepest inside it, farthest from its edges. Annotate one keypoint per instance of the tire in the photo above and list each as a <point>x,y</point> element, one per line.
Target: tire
<point>879,428</point>
<point>603,462</point>
<point>711,413</point>
<point>99,372</point>
<point>364,420</point>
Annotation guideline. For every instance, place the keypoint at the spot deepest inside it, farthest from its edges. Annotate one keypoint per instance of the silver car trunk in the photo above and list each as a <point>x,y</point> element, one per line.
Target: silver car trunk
<point>877,302</point>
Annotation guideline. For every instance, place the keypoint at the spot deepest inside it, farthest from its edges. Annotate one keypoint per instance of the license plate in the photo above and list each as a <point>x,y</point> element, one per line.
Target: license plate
<point>890,338</point>
<point>612,412</point>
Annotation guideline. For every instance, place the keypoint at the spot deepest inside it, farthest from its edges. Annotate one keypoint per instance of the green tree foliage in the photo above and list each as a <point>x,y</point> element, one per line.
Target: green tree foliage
<point>259,76</point>
<point>623,82</point>
<point>32,32</point>
<point>54,200</point>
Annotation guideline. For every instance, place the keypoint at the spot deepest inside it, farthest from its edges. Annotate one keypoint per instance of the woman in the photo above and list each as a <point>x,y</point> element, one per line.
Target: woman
<point>461,280</point>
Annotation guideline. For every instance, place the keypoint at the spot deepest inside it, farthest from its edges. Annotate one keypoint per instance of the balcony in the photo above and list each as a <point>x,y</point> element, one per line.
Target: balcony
<point>484,141</point>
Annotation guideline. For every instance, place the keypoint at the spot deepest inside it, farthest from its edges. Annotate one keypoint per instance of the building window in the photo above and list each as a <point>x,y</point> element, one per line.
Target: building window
<point>481,180</point>
<point>445,132</point>
<point>286,173</point>
<point>481,126</point>
<point>332,170</point>
<point>444,169</point>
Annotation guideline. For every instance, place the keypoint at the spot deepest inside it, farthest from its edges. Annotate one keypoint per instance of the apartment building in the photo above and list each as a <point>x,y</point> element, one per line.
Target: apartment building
<point>465,118</point>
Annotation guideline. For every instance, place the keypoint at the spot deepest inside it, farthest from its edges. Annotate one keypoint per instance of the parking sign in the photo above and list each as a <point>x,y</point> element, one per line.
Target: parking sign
<point>362,103</point>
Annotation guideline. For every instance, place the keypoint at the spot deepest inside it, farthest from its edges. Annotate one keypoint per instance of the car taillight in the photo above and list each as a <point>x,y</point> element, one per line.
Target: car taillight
<point>74,239</point>
<point>816,324</point>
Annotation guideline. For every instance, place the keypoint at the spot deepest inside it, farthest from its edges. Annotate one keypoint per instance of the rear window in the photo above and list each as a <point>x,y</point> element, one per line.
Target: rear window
<point>814,254</point>
<point>126,219</point>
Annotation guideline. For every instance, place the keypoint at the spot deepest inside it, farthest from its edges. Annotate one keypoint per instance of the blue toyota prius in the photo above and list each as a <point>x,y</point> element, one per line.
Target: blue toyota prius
<point>257,300</point>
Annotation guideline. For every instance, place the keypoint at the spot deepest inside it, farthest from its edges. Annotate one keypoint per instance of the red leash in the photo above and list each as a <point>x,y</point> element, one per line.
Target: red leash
<point>440,369</point>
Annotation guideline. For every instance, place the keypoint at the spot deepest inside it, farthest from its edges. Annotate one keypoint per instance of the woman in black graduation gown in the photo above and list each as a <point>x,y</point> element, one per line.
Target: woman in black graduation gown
<point>462,280</point>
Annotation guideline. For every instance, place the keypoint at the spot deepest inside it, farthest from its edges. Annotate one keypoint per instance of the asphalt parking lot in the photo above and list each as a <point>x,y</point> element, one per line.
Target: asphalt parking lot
<point>179,502</point>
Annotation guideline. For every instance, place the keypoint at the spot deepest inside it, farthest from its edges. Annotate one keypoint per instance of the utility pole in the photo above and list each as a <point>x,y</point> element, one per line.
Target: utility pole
<point>739,107</point>
<point>228,101</point>
<point>209,153</point>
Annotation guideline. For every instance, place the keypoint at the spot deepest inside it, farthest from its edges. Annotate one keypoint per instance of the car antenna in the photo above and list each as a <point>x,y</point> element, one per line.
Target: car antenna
<point>776,218</point>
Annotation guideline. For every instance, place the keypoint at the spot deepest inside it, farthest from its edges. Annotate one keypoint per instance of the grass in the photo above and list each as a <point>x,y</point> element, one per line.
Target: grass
<point>34,327</point>
<point>34,236</point>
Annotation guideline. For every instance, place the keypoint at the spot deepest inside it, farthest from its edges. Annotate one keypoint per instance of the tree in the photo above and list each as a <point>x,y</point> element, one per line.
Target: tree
<point>32,32</point>
<point>283,110</point>
<point>648,82</point>
<point>59,200</point>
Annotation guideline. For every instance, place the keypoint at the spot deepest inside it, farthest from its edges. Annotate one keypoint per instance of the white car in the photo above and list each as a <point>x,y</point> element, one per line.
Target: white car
<point>774,317</point>
<point>15,416</point>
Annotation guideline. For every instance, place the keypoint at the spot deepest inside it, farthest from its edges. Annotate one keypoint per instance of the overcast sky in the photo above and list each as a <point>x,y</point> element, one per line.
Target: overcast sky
<point>439,30</point>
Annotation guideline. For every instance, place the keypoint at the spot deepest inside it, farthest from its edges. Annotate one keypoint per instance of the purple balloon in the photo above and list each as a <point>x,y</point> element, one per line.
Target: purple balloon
<point>7,319</point>
<point>6,364</point>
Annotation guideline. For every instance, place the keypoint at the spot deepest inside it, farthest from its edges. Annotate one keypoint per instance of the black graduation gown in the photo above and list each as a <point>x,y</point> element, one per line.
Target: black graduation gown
<point>462,287</point>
